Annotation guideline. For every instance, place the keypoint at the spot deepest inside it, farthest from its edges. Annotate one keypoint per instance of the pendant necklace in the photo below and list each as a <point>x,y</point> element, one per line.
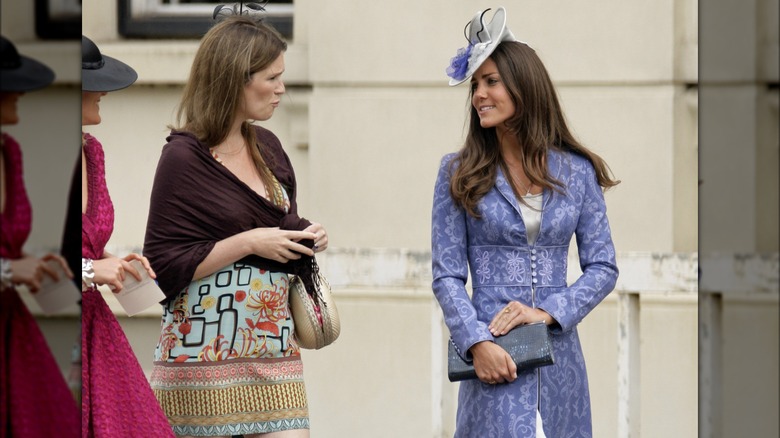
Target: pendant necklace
<point>520,182</point>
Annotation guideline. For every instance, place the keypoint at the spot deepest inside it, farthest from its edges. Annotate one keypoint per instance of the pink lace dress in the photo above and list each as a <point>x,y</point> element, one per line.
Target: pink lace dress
<point>34,399</point>
<point>116,400</point>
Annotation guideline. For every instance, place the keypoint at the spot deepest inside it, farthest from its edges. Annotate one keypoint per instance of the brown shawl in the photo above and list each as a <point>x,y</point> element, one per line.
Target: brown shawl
<point>197,202</point>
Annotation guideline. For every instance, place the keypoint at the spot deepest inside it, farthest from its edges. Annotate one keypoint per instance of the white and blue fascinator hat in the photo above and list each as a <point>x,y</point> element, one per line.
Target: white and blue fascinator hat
<point>483,39</point>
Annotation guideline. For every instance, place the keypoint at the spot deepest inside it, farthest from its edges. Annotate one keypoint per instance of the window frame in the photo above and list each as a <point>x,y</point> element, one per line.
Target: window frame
<point>58,19</point>
<point>152,19</point>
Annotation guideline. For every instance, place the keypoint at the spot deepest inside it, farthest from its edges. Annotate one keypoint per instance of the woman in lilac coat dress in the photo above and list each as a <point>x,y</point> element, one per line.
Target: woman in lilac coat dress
<point>505,209</point>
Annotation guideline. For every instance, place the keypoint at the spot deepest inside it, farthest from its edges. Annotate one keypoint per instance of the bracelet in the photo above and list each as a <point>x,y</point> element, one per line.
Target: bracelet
<point>87,274</point>
<point>5,273</point>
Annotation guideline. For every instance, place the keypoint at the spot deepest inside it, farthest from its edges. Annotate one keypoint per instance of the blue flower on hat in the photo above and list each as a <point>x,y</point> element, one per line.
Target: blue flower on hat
<point>483,38</point>
<point>460,63</point>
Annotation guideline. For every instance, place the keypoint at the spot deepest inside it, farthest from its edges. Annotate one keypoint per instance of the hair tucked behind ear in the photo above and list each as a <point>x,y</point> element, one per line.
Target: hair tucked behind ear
<point>229,54</point>
<point>538,124</point>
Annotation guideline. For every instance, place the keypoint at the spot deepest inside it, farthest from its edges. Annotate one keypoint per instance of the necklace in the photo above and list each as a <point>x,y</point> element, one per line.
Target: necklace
<point>238,149</point>
<point>517,179</point>
<point>227,154</point>
<point>526,188</point>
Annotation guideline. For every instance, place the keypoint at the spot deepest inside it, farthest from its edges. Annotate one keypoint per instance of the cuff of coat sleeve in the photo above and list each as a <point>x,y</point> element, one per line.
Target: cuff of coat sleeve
<point>555,328</point>
<point>466,354</point>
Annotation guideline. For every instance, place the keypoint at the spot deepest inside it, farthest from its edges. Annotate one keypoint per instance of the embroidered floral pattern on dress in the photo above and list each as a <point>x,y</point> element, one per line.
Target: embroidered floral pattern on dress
<point>483,264</point>
<point>545,264</point>
<point>514,266</point>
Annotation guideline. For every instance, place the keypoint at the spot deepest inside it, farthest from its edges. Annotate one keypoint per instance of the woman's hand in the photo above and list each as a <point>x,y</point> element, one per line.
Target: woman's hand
<point>321,239</point>
<point>492,363</point>
<point>144,262</point>
<point>270,243</point>
<point>279,245</point>
<point>516,313</point>
<point>30,271</point>
<point>112,270</point>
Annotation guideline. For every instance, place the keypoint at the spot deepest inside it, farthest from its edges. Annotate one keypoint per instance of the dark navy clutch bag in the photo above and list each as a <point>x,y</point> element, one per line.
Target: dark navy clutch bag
<point>529,346</point>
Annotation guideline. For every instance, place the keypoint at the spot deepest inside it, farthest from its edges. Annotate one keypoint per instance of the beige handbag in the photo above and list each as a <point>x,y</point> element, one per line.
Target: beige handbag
<point>315,326</point>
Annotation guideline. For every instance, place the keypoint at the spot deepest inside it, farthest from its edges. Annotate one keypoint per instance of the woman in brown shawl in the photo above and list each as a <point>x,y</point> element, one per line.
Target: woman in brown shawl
<point>223,234</point>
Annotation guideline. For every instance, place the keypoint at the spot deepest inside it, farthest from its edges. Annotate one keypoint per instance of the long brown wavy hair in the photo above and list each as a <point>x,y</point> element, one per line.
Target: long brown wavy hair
<point>538,124</point>
<point>229,53</point>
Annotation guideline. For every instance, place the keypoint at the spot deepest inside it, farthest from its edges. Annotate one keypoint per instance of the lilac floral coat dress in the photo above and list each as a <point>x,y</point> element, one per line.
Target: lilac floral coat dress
<point>504,268</point>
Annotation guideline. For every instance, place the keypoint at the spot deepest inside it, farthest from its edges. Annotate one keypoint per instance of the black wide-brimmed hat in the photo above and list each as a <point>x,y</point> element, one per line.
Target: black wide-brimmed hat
<point>103,73</point>
<point>20,73</point>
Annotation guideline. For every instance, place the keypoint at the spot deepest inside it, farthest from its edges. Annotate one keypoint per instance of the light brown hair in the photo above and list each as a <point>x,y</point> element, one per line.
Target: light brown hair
<point>229,53</point>
<point>538,124</point>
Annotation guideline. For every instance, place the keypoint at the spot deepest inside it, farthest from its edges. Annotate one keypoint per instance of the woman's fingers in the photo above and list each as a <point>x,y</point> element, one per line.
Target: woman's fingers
<point>300,249</point>
<point>40,269</point>
<point>297,236</point>
<point>292,243</point>
<point>502,320</point>
<point>148,267</point>
<point>144,262</point>
<point>281,245</point>
<point>127,267</point>
<point>320,236</point>
<point>116,286</point>
<point>503,370</point>
<point>511,369</point>
<point>315,227</point>
<point>509,317</point>
<point>490,363</point>
<point>34,285</point>
<point>60,261</point>
<point>65,267</point>
<point>45,269</point>
<point>294,252</point>
<point>321,244</point>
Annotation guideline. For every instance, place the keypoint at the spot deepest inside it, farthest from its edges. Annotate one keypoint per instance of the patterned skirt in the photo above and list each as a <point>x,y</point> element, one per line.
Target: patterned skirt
<point>227,362</point>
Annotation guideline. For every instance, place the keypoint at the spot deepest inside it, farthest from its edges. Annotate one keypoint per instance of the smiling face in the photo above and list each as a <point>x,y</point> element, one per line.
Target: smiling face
<point>489,97</point>
<point>90,107</point>
<point>263,92</point>
<point>8,111</point>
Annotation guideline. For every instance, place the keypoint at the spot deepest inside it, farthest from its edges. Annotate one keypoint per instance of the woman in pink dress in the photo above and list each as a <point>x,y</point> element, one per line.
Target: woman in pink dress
<point>116,398</point>
<point>34,399</point>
